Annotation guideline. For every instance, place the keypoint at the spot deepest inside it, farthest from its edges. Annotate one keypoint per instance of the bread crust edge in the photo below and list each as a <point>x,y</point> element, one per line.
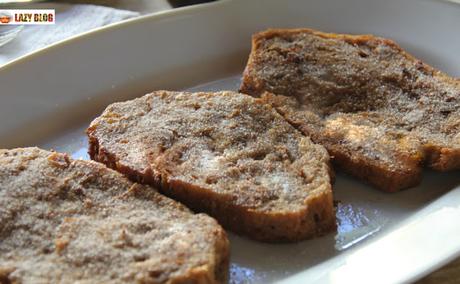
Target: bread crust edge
<point>317,217</point>
<point>435,157</point>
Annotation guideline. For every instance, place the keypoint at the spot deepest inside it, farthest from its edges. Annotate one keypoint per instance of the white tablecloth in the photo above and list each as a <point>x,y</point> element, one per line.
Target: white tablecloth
<point>74,19</point>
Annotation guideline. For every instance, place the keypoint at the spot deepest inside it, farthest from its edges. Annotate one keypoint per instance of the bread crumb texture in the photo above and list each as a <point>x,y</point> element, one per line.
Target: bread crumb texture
<point>224,153</point>
<point>381,113</point>
<point>74,221</point>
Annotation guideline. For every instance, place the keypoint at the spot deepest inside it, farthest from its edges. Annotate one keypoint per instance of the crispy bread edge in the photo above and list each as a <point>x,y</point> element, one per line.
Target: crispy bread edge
<point>218,271</point>
<point>437,158</point>
<point>316,219</point>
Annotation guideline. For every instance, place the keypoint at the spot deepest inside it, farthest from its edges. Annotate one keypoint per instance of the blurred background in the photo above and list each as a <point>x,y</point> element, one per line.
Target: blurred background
<point>73,17</point>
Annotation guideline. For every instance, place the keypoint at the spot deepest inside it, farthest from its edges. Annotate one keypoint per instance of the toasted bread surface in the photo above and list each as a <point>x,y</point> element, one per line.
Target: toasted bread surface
<point>381,113</point>
<point>226,154</point>
<point>74,221</point>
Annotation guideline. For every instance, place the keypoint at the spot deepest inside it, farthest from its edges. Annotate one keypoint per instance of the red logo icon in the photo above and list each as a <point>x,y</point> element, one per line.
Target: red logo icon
<point>5,18</point>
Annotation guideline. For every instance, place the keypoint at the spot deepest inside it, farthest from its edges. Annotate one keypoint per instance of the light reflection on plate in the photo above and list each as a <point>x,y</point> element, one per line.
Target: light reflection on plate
<point>81,154</point>
<point>355,224</point>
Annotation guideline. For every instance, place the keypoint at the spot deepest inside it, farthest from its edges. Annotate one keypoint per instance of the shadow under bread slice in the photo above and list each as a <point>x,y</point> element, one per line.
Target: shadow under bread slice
<point>69,221</point>
<point>226,154</point>
<point>381,113</point>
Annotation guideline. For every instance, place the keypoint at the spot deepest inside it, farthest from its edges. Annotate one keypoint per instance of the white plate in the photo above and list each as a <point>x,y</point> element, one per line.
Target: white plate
<point>48,98</point>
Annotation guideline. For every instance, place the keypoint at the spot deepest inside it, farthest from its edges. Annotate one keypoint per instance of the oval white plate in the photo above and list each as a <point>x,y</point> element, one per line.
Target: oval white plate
<point>47,98</point>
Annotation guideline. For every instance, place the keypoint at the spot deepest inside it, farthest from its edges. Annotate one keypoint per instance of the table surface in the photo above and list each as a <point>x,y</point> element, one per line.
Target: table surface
<point>448,274</point>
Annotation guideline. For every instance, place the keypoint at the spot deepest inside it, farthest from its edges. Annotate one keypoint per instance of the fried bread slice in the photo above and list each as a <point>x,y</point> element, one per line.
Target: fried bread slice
<point>75,221</point>
<point>381,113</point>
<point>226,154</point>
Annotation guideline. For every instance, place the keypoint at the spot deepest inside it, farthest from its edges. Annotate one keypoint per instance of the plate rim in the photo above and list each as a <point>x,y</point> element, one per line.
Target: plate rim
<point>157,17</point>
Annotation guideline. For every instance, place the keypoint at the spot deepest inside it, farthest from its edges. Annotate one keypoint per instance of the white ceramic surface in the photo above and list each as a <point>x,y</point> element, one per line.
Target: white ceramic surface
<point>49,97</point>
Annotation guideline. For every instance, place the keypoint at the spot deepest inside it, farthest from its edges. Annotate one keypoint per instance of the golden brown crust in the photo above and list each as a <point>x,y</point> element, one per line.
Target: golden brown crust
<point>225,154</point>
<point>381,113</point>
<point>70,221</point>
<point>315,220</point>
